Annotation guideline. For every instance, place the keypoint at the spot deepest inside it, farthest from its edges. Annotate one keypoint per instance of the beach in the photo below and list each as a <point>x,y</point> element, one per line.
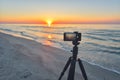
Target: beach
<point>25,59</point>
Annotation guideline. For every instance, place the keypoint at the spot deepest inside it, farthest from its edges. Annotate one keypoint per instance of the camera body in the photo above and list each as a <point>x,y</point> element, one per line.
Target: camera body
<point>71,36</point>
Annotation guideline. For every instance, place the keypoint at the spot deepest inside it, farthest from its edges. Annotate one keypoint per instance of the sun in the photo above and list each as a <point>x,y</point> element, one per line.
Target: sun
<point>49,22</point>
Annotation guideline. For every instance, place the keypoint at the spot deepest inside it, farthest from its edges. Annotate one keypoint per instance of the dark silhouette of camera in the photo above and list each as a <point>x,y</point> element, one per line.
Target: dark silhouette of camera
<point>71,36</point>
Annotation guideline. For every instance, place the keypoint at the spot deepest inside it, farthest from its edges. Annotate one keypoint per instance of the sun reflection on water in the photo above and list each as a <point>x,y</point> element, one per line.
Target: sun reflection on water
<point>49,36</point>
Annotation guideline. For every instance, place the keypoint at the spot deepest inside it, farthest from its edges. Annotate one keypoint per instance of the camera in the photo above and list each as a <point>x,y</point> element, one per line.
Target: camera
<point>71,36</point>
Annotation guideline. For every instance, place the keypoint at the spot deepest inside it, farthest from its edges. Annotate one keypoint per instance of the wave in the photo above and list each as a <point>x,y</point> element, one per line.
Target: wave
<point>28,35</point>
<point>105,33</point>
<point>104,48</point>
<point>113,70</point>
<point>94,37</point>
<point>103,37</point>
<point>9,30</point>
<point>45,31</point>
<point>115,40</point>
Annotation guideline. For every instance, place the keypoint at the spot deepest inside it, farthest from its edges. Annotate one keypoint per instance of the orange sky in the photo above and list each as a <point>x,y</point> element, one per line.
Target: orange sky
<point>59,11</point>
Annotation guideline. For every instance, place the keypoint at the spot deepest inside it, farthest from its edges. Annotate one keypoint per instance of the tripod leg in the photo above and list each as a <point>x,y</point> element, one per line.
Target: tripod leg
<point>72,70</point>
<point>82,69</point>
<point>65,68</point>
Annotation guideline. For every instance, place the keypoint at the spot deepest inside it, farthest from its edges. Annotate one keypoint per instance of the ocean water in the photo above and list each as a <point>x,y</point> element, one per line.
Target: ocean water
<point>100,43</point>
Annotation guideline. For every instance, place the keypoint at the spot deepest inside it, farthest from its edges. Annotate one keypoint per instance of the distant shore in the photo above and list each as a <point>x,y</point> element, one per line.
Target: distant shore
<point>24,59</point>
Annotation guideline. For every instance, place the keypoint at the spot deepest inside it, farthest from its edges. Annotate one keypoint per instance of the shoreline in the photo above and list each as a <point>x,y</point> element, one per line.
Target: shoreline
<point>112,70</point>
<point>60,56</point>
<point>16,35</point>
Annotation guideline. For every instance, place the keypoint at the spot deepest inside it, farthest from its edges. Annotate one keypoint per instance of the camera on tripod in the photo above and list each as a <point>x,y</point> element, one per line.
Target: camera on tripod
<point>71,36</point>
<point>75,37</point>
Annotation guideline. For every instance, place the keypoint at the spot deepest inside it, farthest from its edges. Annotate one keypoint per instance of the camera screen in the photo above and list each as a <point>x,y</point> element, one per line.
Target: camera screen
<point>69,36</point>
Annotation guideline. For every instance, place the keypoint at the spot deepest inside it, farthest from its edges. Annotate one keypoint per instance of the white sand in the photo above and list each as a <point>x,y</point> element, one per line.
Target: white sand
<point>23,59</point>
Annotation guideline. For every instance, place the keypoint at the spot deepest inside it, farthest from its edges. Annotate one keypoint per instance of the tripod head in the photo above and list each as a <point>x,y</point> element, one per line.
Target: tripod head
<point>76,42</point>
<point>77,39</point>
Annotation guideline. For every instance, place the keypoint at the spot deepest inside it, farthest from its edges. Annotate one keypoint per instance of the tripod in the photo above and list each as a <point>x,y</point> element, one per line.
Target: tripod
<point>72,62</point>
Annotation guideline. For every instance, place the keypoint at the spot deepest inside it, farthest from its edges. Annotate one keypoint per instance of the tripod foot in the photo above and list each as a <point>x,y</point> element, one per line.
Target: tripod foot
<point>65,68</point>
<point>82,69</point>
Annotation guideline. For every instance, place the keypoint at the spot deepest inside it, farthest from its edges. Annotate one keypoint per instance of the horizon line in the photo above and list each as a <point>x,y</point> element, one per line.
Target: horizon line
<point>60,23</point>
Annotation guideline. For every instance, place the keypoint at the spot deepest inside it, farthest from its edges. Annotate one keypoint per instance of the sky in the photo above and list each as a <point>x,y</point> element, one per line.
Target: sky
<point>60,11</point>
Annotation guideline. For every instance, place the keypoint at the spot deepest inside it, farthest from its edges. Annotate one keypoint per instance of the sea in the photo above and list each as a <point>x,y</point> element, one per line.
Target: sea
<point>100,44</point>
